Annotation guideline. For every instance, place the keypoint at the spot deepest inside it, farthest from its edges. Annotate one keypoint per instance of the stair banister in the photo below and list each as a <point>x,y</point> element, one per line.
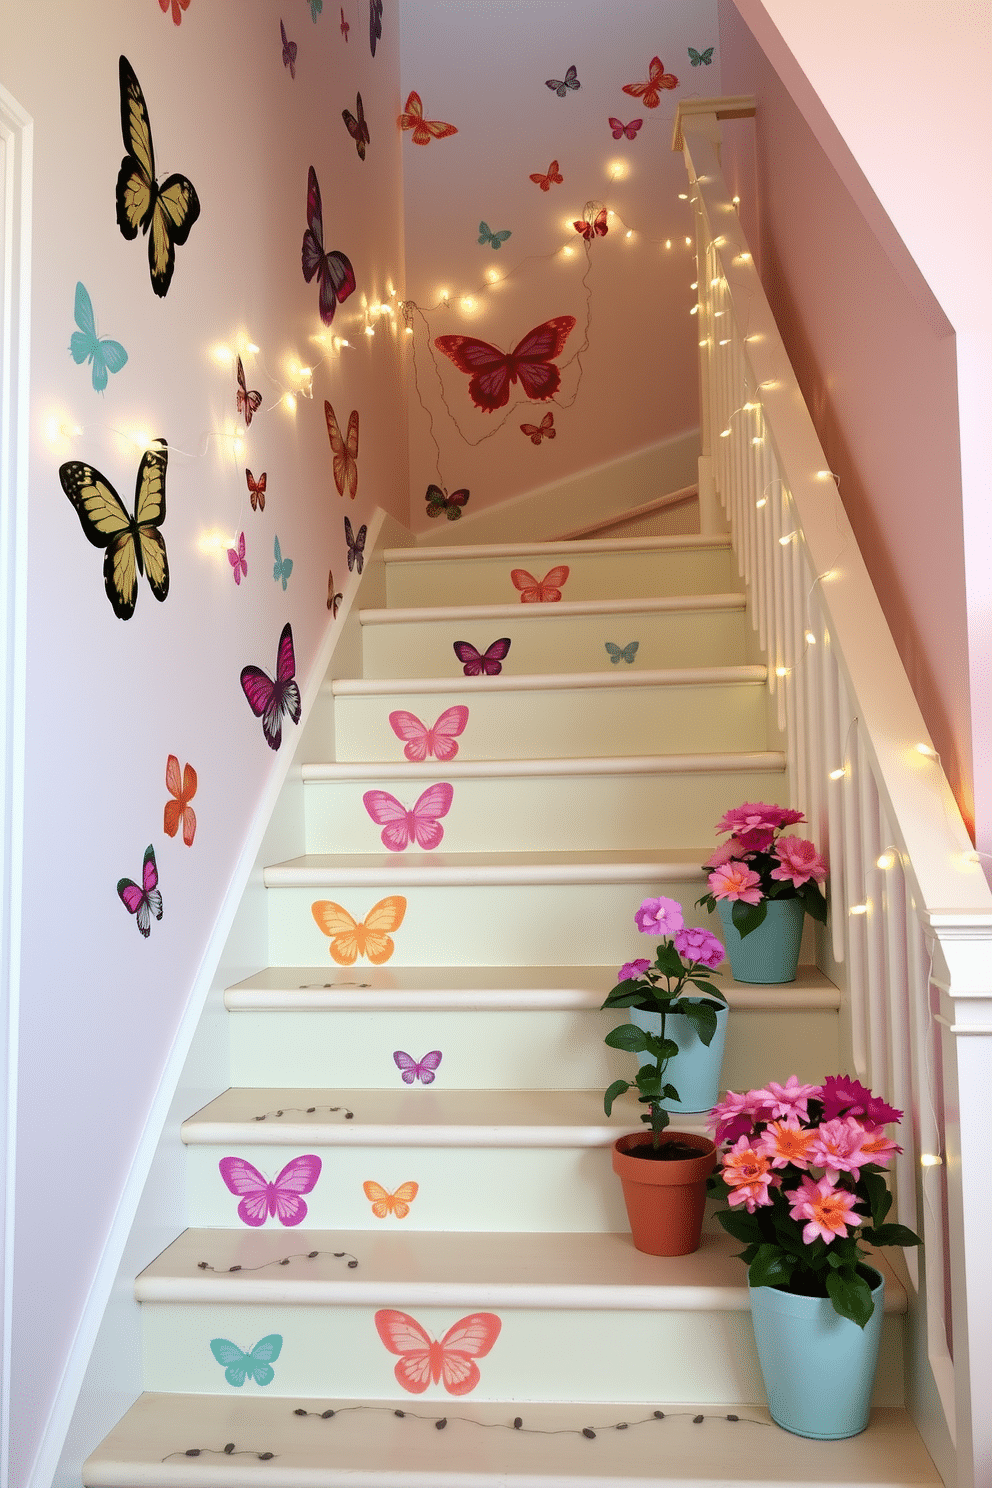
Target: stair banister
<point>910,907</point>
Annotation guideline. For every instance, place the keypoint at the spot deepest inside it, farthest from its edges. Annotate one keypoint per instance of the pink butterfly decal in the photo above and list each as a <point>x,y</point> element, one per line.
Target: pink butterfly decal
<point>411,1070</point>
<point>449,1360</point>
<point>236,558</point>
<point>178,6</point>
<point>400,826</point>
<point>531,362</point>
<point>335,275</point>
<point>144,901</point>
<point>620,129</point>
<point>594,227</point>
<point>422,741</point>
<point>280,1197</point>
<point>269,700</point>
<point>544,430</point>
<point>490,662</point>
<point>539,591</point>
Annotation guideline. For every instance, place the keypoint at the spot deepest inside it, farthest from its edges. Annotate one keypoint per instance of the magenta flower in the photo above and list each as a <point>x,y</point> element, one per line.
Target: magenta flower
<point>799,861</point>
<point>786,1100</point>
<point>837,1147</point>
<point>829,1210</point>
<point>843,1096</point>
<point>659,917</point>
<point>735,1115</point>
<point>631,970</point>
<point>736,881</point>
<point>725,853</point>
<point>755,823</point>
<point>699,947</point>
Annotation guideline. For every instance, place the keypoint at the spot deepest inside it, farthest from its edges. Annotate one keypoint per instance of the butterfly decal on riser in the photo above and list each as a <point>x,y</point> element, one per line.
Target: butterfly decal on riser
<point>236,558</point>
<point>256,1364</point>
<point>544,430</point>
<point>540,591</point>
<point>167,212</point>
<point>248,399</point>
<point>134,544</point>
<point>86,346</point>
<point>282,1197</point>
<point>701,59</point>
<point>356,545</point>
<point>622,653</point>
<point>449,1361</point>
<point>419,823</point>
<point>375,24</point>
<point>417,1069</point>
<point>282,568</point>
<point>383,1202</point>
<point>256,490</point>
<point>625,131</point>
<point>351,938</point>
<point>421,741</point>
<point>593,227</point>
<point>493,239</point>
<point>487,663</point>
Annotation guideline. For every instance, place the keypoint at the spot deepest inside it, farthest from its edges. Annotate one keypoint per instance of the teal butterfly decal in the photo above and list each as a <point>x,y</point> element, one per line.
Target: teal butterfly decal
<point>316,6</point>
<point>240,1366</point>
<point>282,568</point>
<point>86,346</point>
<point>701,57</point>
<point>622,653</point>
<point>494,239</point>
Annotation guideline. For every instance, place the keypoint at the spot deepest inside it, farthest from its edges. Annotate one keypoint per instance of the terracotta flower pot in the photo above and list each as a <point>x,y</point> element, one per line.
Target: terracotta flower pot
<point>665,1199</point>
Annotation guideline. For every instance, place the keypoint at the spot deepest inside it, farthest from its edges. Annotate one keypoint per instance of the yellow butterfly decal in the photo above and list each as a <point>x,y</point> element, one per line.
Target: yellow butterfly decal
<point>351,938</point>
<point>384,1203</point>
<point>134,544</point>
<point>167,212</point>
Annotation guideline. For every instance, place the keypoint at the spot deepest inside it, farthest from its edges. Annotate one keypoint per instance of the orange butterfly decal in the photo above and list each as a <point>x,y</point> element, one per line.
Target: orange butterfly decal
<point>539,591</point>
<point>184,790</point>
<point>650,91</point>
<point>544,430</point>
<point>597,227</point>
<point>449,1360</point>
<point>345,451</point>
<point>351,938</point>
<point>424,130</point>
<point>384,1203</point>
<point>256,490</point>
<point>554,177</point>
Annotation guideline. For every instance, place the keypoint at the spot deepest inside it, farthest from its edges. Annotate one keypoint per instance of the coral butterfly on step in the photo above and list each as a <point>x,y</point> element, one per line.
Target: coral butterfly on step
<point>620,129</point>
<point>424,130</point>
<point>289,51</point>
<point>183,788</point>
<point>375,23</point>
<point>476,664</point>
<point>86,346</point>
<point>335,275</point>
<point>494,239</point>
<point>269,700</point>
<point>544,430</point>
<point>422,1070</point>
<point>491,371</point>
<point>345,451</point>
<point>351,938</point>
<point>704,58</point>
<point>256,490</point>
<point>593,227</point>
<point>282,567</point>
<point>439,501</point>
<point>357,127</point>
<point>449,1360</point>
<point>418,823</point>
<point>422,741</point>
<point>563,86</point>
<point>384,1203</point>
<point>650,92</point>
<point>622,653</point>
<point>145,900</point>
<point>356,545</point>
<point>539,591</point>
<point>248,402</point>
<point>256,1364</point>
<point>134,544</point>
<point>281,1197</point>
<point>553,177</point>
<point>236,558</point>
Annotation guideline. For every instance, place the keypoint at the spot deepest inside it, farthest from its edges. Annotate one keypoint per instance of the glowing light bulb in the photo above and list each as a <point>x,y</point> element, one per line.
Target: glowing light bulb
<point>885,860</point>
<point>290,401</point>
<point>781,671</point>
<point>724,433</point>
<point>810,638</point>
<point>629,234</point>
<point>736,201</point>
<point>668,242</point>
<point>926,750</point>
<point>784,542</point>
<point>694,310</point>
<point>370,330</point>
<point>839,773</point>
<point>762,501</point>
<point>568,252</point>
<point>726,342</point>
<point>252,348</point>
<point>141,438</point>
<point>493,275</point>
<point>468,303</point>
<point>688,242</point>
<point>858,909</point>
<point>931,1160</point>
<point>222,354</point>
<point>694,285</point>
<point>409,330</point>
<point>683,196</point>
<point>757,439</point>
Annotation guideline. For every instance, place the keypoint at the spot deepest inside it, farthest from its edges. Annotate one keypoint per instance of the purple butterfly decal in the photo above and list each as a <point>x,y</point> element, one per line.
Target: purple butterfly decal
<point>145,901</point>
<point>411,1070</point>
<point>334,272</point>
<point>289,50</point>
<point>281,1197</point>
<point>375,23</point>
<point>356,545</point>
<point>490,663</point>
<point>269,700</point>
<point>236,558</point>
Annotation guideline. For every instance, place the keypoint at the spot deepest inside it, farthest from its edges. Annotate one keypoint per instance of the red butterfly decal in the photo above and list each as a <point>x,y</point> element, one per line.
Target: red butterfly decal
<point>544,430</point>
<point>256,490</point>
<point>184,789</point>
<point>539,591</point>
<point>449,1360</point>
<point>345,25</point>
<point>424,130</point>
<point>491,371</point>
<point>248,402</point>
<point>554,177</point>
<point>650,91</point>
<point>178,6</point>
<point>595,228</point>
<point>334,272</point>
<point>357,128</point>
<point>620,128</point>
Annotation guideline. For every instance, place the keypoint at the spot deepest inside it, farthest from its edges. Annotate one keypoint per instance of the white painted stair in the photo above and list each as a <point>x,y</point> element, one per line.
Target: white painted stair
<point>581,785</point>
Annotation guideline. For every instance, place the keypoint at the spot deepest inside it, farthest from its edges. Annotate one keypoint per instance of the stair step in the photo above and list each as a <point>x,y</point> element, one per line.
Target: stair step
<point>325,870</point>
<point>741,762</point>
<point>565,548</point>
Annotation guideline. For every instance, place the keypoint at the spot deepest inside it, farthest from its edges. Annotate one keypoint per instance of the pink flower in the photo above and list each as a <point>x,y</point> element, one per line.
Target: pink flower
<point>725,852</point>
<point>837,1147</point>
<point>799,861</point>
<point>751,1195</point>
<point>829,1210</point>
<point>631,970</point>
<point>789,1099</point>
<point>699,947</point>
<point>878,1148</point>
<point>755,823</point>
<point>659,917</point>
<point>785,1143</point>
<point>843,1096</point>
<point>734,1116</point>
<point>744,1167</point>
<point>736,881</point>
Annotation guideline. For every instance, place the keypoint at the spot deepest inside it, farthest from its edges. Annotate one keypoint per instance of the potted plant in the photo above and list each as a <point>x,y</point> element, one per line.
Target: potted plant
<point>762,883</point>
<point>803,1178</point>
<point>664,1173</point>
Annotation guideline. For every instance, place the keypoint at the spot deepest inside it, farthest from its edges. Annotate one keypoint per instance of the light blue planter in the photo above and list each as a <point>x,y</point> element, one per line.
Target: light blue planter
<point>818,1367</point>
<point>770,953</point>
<point>695,1069</point>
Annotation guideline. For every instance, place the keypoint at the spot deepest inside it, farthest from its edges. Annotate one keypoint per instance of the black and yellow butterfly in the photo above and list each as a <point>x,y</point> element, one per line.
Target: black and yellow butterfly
<point>165,212</point>
<point>134,544</point>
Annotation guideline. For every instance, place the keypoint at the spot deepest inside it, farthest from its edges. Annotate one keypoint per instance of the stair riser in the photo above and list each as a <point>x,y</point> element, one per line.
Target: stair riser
<point>544,812</point>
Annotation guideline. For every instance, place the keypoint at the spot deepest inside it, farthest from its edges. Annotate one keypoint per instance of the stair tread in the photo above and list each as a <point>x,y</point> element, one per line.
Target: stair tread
<point>367,1445</point>
<point>624,764</point>
<point>562,608</point>
<point>550,681</point>
<point>591,866</point>
<point>680,542</point>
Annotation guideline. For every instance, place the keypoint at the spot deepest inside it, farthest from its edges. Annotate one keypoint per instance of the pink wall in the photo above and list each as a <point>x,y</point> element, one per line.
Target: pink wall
<point>876,360</point>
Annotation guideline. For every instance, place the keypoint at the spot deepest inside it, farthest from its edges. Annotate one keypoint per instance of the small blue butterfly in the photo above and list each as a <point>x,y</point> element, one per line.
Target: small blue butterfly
<point>622,653</point>
<point>282,568</point>
<point>254,1364</point>
<point>86,346</point>
<point>494,239</point>
<point>704,57</point>
<point>316,6</point>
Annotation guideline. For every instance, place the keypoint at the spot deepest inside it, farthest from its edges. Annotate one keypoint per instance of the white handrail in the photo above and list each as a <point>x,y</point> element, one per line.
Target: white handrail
<point>910,908</point>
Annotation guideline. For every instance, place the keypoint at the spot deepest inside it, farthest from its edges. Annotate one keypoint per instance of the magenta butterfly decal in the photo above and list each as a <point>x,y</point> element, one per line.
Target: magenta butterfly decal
<point>544,430</point>
<point>335,275</point>
<point>236,558</point>
<point>269,699</point>
<point>345,25</point>
<point>289,50</point>
<point>249,401</point>
<point>629,130</point>
<point>143,901</point>
<point>419,824</point>
<point>489,663</point>
<point>412,1070</point>
<point>531,362</point>
<point>422,741</point>
<point>449,1360</point>
<point>281,1197</point>
<point>375,23</point>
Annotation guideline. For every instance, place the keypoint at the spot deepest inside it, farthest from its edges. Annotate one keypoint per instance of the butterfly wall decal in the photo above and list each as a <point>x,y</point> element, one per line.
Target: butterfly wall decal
<point>333,599</point>
<point>289,51</point>
<point>439,501</point>
<point>344,451</point>
<point>143,900</point>
<point>544,430</point>
<point>167,212</point>
<point>236,558</point>
<point>621,130</point>
<point>553,177</point>
<point>249,402</point>
<point>375,23</point>
<point>282,568</point>
<point>650,91</point>
<point>701,58</point>
<point>178,6</point>
<point>477,664</point>
<point>622,653</point>
<point>356,545</point>
<point>563,86</point>
<point>86,346</point>
<point>351,938</point>
<point>335,275</point>
<point>491,371</point>
<point>594,227</point>
<point>438,741</point>
<point>413,1069</point>
<point>183,789</point>
<point>494,239</point>
<point>281,1197</point>
<point>424,130</point>
<point>316,6</point>
<point>449,1361</point>
<point>345,27</point>
<point>256,1364</point>
<point>269,700</point>
<point>356,126</point>
<point>134,544</point>
<point>418,823</point>
<point>384,1203</point>
<point>256,490</point>
<point>539,591</point>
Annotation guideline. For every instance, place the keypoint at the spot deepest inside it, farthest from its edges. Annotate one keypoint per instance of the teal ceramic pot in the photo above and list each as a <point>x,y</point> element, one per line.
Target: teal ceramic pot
<point>695,1069</point>
<point>770,953</point>
<point>818,1367</point>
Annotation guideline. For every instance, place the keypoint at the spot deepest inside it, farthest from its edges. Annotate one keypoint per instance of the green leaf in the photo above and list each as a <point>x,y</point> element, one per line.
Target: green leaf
<point>851,1296</point>
<point>628,1037</point>
<point>876,1191</point>
<point>814,902</point>
<point>741,1225</point>
<point>668,960</point>
<point>618,999</point>
<point>668,1092</point>
<point>891,1234</point>
<point>648,1082</point>
<point>703,1019</point>
<point>618,1088</point>
<point>747,917</point>
<point>705,986</point>
<point>770,1267</point>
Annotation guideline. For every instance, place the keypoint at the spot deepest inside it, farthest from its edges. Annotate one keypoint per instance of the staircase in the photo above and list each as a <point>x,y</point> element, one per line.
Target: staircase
<point>581,785</point>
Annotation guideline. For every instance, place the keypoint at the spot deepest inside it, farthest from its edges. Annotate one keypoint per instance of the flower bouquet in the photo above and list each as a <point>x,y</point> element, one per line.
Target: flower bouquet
<point>758,864</point>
